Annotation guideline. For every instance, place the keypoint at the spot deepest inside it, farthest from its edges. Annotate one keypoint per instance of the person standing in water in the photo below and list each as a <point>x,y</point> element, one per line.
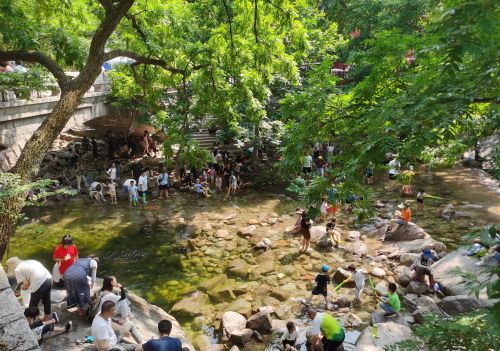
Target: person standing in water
<point>305,230</point>
<point>142,186</point>
<point>322,280</point>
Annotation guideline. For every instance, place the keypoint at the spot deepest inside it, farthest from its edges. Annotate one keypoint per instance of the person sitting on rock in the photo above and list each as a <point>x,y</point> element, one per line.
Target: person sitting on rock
<point>422,267</point>
<point>103,333</point>
<point>322,280</point>
<point>40,328</point>
<point>333,235</point>
<point>327,332</point>
<point>391,304</point>
<point>289,338</point>
<point>403,219</point>
<point>165,342</point>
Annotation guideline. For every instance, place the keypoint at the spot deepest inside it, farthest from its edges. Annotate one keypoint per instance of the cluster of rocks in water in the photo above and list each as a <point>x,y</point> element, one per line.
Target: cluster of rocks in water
<point>259,279</point>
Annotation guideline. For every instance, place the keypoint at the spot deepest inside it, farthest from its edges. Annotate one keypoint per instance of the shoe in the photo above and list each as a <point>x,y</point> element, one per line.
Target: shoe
<point>68,326</point>
<point>81,312</point>
<point>390,315</point>
<point>55,317</point>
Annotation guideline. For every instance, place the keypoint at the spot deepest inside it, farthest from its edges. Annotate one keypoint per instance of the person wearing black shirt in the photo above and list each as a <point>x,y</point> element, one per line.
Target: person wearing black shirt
<point>322,280</point>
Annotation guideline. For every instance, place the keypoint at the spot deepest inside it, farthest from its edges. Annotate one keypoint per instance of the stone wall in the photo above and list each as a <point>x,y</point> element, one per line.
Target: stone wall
<point>15,333</point>
<point>20,118</point>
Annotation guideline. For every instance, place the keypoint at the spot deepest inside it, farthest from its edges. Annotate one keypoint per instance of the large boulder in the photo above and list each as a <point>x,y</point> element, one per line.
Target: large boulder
<point>408,258</point>
<point>238,268</point>
<point>454,305</point>
<point>280,294</point>
<point>406,232</point>
<point>260,321</point>
<point>241,306</point>
<point>403,275</point>
<point>231,322</point>
<point>452,283</point>
<point>388,333</point>
<point>247,231</point>
<point>241,337</point>
<point>341,275</point>
<point>396,249</point>
<point>212,283</point>
<point>317,232</point>
<point>190,305</point>
<point>416,288</point>
<point>353,235</point>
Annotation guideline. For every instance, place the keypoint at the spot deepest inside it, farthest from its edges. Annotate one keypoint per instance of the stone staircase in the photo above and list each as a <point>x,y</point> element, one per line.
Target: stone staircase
<point>205,139</point>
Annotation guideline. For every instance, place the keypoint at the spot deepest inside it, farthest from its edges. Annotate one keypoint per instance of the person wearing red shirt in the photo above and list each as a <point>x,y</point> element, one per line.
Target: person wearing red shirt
<point>65,254</point>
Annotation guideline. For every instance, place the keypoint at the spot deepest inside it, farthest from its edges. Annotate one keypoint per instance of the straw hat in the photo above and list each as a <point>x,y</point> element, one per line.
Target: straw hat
<point>12,264</point>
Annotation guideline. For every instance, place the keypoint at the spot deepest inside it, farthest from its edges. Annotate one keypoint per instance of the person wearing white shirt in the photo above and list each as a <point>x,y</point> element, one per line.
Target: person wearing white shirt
<point>112,172</point>
<point>289,338</point>
<point>163,184</point>
<point>33,276</point>
<point>103,333</point>
<point>394,167</point>
<point>307,165</point>
<point>359,279</point>
<point>142,186</point>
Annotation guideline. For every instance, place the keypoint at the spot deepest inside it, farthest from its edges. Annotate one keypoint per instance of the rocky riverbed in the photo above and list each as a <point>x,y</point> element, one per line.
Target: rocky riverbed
<point>201,258</point>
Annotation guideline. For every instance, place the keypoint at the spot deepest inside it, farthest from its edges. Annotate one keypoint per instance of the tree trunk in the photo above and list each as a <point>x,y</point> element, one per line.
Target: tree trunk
<point>71,94</point>
<point>256,142</point>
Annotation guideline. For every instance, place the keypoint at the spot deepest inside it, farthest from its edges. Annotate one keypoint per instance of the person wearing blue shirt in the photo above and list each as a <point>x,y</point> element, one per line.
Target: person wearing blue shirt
<point>198,187</point>
<point>165,342</point>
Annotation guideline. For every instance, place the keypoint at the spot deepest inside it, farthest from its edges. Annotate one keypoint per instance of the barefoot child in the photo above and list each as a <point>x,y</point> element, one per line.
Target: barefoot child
<point>112,191</point>
<point>218,182</point>
<point>322,280</point>
<point>132,194</point>
<point>290,337</point>
<point>233,184</point>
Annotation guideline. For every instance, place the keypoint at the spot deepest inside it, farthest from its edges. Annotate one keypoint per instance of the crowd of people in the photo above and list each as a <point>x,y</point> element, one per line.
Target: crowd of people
<point>107,309</point>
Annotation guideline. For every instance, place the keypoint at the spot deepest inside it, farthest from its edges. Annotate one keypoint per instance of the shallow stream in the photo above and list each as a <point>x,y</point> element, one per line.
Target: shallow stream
<point>147,247</point>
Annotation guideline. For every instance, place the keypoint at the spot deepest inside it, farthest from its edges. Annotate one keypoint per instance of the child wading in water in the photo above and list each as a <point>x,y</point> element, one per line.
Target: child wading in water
<point>289,338</point>
<point>322,280</point>
<point>218,182</point>
<point>132,194</point>
<point>112,191</point>
<point>420,200</point>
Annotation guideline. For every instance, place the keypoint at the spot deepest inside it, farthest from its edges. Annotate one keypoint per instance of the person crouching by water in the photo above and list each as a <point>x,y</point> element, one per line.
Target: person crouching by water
<point>327,333</point>
<point>77,285</point>
<point>289,338</point>
<point>65,254</point>
<point>305,230</point>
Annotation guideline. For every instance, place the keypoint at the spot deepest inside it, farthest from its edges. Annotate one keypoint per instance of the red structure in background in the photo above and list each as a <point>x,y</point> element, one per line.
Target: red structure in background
<point>340,69</point>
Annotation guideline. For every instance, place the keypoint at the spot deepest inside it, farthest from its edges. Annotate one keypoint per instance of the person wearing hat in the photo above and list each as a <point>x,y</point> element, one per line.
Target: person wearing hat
<point>33,276</point>
<point>322,280</point>
<point>422,267</point>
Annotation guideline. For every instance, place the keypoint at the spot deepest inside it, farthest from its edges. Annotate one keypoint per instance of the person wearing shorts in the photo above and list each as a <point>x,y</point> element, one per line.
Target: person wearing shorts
<point>322,280</point>
<point>307,165</point>
<point>305,230</point>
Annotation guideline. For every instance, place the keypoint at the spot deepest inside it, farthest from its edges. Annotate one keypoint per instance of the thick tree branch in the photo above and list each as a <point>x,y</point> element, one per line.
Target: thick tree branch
<point>142,60</point>
<point>38,57</point>
<point>106,4</point>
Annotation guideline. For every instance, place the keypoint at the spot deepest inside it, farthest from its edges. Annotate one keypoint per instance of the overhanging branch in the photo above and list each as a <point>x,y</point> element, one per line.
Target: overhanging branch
<point>143,60</point>
<point>37,57</point>
<point>107,4</point>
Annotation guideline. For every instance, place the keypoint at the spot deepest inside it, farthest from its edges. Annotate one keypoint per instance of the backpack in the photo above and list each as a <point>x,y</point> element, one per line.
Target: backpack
<point>92,308</point>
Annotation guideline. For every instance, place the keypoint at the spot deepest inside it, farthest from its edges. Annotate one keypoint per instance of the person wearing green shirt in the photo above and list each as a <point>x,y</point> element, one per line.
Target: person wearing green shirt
<point>391,304</point>
<point>326,331</point>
